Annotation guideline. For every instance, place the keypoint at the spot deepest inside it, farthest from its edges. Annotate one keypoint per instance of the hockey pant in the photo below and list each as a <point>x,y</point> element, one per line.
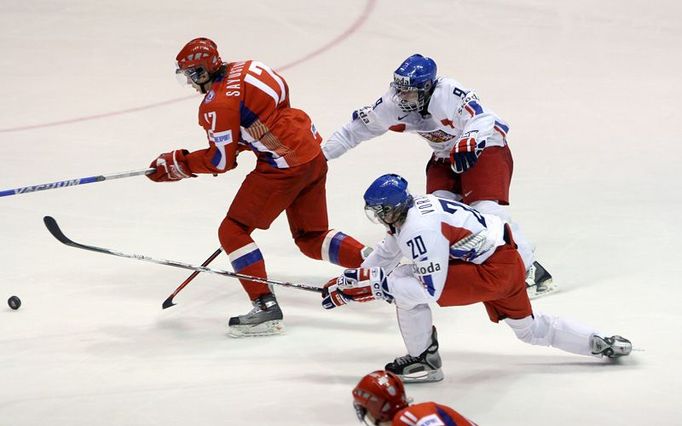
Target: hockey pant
<point>300,192</point>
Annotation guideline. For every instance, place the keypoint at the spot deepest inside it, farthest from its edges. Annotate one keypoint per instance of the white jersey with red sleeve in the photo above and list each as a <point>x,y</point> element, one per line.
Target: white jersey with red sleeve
<point>453,111</point>
<point>435,231</point>
<point>248,108</point>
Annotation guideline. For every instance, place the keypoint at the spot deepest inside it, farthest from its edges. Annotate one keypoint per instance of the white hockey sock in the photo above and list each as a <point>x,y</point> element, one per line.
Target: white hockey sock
<point>548,330</point>
<point>415,327</point>
<point>525,247</point>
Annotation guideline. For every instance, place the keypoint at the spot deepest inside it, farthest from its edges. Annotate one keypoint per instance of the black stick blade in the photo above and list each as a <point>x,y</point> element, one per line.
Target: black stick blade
<point>168,302</point>
<point>56,232</point>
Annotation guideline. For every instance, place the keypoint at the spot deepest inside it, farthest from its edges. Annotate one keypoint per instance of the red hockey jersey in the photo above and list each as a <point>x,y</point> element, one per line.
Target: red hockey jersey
<point>431,414</point>
<point>248,108</point>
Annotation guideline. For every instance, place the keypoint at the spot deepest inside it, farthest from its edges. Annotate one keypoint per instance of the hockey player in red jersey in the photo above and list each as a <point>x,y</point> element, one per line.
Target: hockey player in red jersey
<point>246,107</point>
<point>459,257</point>
<point>379,399</point>
<point>471,160</point>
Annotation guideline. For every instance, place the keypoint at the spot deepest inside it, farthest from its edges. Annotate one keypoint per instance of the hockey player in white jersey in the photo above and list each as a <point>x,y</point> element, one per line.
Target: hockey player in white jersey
<point>459,257</point>
<point>471,160</point>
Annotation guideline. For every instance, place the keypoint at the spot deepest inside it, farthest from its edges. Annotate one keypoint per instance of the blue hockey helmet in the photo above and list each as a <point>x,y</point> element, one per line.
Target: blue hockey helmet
<point>413,82</point>
<point>387,200</point>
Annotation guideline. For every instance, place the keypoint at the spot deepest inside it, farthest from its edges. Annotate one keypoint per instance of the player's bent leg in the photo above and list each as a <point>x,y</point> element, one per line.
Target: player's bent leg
<point>333,246</point>
<point>266,316</point>
<point>422,363</point>
<point>567,335</point>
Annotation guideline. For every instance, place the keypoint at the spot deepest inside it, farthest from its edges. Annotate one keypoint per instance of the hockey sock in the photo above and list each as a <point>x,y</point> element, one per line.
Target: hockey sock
<point>244,254</point>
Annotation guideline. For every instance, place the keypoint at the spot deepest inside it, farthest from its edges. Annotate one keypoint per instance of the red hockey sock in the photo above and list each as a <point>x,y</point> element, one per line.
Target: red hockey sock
<point>332,246</point>
<point>245,256</point>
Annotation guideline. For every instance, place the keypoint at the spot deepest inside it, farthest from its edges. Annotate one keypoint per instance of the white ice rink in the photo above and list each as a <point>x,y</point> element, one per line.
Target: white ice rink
<point>592,92</point>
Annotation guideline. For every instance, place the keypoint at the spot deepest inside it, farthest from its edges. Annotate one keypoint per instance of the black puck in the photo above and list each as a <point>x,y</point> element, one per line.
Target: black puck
<point>14,302</point>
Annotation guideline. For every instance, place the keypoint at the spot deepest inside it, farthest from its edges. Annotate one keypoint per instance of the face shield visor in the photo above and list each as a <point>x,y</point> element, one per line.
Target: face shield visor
<point>194,76</point>
<point>407,98</point>
<point>384,215</point>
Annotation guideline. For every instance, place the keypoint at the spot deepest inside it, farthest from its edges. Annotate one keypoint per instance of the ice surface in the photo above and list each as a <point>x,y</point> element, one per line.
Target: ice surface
<point>591,90</point>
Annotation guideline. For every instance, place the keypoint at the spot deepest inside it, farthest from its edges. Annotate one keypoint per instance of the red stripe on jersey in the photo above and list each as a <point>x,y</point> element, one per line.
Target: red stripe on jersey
<point>397,128</point>
<point>453,233</point>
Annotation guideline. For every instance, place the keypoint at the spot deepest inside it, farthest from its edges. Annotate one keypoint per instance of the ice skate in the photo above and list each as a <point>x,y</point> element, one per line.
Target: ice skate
<point>611,347</point>
<point>264,319</point>
<point>422,369</point>
<point>539,282</point>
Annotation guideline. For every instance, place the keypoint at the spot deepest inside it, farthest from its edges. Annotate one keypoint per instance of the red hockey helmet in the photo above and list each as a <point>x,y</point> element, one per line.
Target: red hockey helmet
<point>380,394</point>
<point>197,56</point>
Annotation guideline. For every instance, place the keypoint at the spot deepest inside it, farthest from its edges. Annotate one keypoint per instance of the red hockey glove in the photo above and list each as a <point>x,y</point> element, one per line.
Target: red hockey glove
<point>465,153</point>
<point>364,284</point>
<point>170,167</point>
<point>331,296</point>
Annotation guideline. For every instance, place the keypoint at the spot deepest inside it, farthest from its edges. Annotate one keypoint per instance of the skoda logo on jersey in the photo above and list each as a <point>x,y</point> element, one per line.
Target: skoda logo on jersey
<point>209,97</point>
<point>421,269</point>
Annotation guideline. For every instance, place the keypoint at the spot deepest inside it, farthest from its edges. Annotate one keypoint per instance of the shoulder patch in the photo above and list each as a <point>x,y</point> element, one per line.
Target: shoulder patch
<point>209,97</point>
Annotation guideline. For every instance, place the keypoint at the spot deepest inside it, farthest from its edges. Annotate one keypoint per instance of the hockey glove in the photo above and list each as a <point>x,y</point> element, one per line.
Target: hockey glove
<point>465,153</point>
<point>364,284</point>
<point>171,167</point>
<point>331,296</point>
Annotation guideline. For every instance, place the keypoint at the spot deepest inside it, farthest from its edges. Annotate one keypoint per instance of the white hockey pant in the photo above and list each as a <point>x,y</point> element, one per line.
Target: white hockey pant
<point>415,326</point>
<point>525,247</point>
<point>548,330</point>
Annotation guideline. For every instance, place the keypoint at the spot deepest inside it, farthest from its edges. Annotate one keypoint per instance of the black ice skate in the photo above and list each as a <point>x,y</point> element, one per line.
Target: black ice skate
<point>611,347</point>
<point>263,320</point>
<point>539,282</point>
<point>421,369</point>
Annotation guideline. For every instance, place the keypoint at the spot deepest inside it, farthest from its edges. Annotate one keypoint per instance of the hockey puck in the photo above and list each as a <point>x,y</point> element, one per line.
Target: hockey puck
<point>14,302</point>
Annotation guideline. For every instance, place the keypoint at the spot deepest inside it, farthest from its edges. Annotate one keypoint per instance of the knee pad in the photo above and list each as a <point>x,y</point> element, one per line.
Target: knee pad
<point>233,235</point>
<point>535,330</point>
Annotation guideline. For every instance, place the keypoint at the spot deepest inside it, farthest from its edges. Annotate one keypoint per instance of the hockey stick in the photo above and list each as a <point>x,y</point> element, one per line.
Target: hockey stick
<point>56,232</point>
<point>74,182</point>
<point>169,301</point>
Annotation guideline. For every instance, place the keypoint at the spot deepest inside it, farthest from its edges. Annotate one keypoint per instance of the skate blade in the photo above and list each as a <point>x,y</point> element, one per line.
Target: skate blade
<point>551,287</point>
<point>423,377</point>
<point>267,328</point>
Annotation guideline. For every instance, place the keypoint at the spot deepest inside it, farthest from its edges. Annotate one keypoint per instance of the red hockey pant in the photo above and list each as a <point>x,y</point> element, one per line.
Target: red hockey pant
<point>300,192</point>
<point>500,283</point>
<point>489,179</point>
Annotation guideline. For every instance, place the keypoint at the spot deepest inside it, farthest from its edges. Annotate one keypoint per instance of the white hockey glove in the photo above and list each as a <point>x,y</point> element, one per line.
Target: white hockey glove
<point>357,285</point>
<point>365,284</point>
